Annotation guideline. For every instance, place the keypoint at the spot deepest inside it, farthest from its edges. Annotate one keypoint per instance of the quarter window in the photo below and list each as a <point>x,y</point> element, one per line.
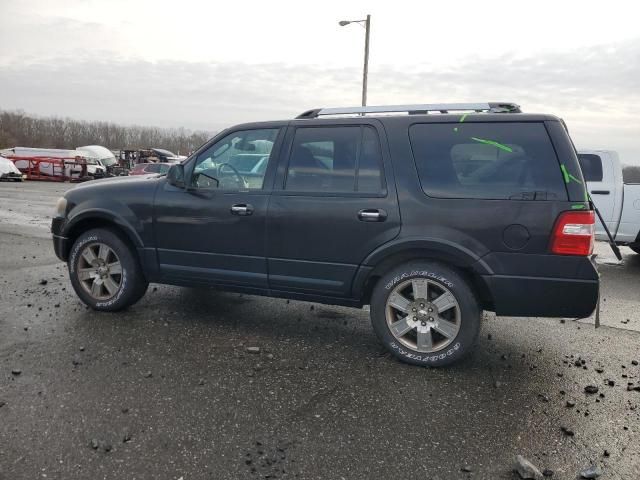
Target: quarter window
<point>335,159</point>
<point>487,161</point>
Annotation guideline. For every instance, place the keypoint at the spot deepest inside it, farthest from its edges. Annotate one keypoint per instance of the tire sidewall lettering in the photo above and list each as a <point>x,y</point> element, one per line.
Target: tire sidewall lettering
<point>76,250</point>
<point>418,273</point>
<point>426,358</point>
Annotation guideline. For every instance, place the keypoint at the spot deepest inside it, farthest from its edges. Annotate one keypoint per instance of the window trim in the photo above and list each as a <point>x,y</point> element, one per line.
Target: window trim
<point>383,193</point>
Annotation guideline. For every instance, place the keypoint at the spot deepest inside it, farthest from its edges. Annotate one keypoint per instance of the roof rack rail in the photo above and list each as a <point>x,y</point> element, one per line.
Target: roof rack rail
<point>489,107</point>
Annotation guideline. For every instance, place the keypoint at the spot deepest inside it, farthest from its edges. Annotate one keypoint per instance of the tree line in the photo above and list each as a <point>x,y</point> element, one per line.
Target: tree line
<point>19,129</point>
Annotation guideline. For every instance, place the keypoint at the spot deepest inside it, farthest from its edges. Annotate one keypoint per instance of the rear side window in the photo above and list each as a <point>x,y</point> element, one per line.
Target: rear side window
<point>487,161</point>
<point>153,168</point>
<point>335,160</point>
<point>591,166</point>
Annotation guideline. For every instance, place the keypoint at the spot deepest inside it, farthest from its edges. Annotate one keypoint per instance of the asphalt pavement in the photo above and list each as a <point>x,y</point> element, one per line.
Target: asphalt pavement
<point>197,384</point>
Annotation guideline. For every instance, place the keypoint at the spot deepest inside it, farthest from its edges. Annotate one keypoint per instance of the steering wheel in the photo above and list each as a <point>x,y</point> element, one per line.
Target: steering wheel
<point>239,178</point>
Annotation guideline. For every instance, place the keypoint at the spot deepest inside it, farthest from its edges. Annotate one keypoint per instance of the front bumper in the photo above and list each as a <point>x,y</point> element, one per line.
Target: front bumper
<point>13,176</point>
<point>60,242</point>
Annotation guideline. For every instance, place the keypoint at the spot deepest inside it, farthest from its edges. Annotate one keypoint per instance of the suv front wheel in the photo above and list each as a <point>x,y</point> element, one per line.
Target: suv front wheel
<point>105,272</point>
<point>425,313</point>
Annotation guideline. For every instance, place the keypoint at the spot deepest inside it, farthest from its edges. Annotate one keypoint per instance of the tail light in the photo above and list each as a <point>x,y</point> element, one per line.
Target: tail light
<point>574,233</point>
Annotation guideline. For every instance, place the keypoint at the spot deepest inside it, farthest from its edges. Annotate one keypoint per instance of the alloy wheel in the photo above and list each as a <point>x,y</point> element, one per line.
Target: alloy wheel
<point>99,271</point>
<point>423,315</point>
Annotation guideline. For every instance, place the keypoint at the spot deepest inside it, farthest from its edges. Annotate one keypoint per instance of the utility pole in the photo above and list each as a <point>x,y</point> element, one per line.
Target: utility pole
<point>365,72</point>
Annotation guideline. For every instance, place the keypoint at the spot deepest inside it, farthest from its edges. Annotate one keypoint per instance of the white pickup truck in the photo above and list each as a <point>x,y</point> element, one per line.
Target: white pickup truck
<point>615,190</point>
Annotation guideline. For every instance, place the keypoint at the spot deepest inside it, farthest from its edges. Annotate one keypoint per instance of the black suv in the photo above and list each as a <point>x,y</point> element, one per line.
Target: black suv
<point>429,218</point>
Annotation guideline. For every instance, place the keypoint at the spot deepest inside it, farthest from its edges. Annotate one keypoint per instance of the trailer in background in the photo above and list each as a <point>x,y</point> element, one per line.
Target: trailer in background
<point>93,167</point>
<point>51,169</point>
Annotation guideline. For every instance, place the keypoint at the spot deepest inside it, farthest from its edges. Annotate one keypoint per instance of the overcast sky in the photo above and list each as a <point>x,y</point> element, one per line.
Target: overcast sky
<point>207,65</point>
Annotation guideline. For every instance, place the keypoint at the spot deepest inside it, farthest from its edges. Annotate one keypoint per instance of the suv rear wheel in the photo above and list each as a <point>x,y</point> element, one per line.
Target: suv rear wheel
<point>425,313</point>
<point>105,272</point>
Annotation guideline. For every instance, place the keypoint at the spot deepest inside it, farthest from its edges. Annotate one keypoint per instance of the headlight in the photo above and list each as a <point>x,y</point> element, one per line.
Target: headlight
<point>61,207</point>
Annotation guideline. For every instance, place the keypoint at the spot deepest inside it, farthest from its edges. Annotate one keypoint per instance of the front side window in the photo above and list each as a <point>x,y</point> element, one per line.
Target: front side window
<point>335,160</point>
<point>236,162</point>
<point>487,161</point>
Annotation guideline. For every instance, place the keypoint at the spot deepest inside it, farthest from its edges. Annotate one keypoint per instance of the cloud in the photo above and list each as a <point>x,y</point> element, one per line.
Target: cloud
<point>595,90</point>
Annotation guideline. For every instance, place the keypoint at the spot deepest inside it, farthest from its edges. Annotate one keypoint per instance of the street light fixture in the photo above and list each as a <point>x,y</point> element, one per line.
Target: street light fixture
<point>365,73</point>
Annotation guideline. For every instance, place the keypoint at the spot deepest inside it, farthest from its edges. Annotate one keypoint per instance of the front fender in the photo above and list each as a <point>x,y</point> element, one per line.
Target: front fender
<point>109,210</point>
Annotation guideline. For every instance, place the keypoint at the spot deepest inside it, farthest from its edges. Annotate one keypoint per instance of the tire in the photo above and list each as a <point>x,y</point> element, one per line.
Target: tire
<point>635,248</point>
<point>105,272</point>
<point>447,318</point>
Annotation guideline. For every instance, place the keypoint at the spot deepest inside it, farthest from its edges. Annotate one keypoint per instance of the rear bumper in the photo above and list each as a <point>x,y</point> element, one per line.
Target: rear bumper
<point>543,297</point>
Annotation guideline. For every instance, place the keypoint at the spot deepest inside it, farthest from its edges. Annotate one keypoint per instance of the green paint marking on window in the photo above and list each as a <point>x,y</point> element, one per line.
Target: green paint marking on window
<point>495,144</point>
<point>567,176</point>
<point>578,206</point>
<point>577,180</point>
<point>463,117</point>
<point>455,129</point>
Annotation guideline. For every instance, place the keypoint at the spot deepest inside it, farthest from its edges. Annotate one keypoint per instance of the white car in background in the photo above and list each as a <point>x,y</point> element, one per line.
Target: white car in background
<point>102,155</point>
<point>615,190</point>
<point>8,171</point>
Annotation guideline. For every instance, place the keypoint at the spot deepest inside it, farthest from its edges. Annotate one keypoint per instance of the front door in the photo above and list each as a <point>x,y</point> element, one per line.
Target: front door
<point>213,231</point>
<point>334,203</point>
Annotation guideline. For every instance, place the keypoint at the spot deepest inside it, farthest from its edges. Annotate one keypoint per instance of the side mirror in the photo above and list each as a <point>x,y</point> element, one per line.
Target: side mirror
<point>175,175</point>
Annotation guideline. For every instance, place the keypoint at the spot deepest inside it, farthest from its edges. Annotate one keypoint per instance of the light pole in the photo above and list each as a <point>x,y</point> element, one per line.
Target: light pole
<point>365,72</point>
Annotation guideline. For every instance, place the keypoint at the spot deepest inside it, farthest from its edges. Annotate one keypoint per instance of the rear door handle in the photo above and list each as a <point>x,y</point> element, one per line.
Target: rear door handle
<point>372,215</point>
<point>242,209</point>
<point>600,192</point>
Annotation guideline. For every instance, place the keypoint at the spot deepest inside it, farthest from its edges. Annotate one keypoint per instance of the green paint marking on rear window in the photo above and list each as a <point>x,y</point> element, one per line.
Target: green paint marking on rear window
<point>578,206</point>
<point>494,143</point>
<point>463,117</point>
<point>567,176</point>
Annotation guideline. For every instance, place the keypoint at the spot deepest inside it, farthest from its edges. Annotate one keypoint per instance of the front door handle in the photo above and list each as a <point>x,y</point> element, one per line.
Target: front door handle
<point>242,209</point>
<point>600,192</point>
<point>372,215</point>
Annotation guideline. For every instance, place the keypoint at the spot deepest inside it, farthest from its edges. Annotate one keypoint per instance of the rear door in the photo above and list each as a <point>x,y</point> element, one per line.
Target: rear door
<point>334,202</point>
<point>598,172</point>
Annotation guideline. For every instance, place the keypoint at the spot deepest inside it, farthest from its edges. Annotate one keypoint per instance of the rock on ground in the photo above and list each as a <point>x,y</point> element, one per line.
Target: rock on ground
<point>526,469</point>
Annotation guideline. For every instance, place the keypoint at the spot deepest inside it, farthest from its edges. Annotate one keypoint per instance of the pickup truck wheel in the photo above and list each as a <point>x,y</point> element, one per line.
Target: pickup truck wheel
<point>105,272</point>
<point>425,313</point>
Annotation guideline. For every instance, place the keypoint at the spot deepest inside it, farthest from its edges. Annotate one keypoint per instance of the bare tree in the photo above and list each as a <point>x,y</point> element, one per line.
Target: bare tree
<point>20,129</point>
